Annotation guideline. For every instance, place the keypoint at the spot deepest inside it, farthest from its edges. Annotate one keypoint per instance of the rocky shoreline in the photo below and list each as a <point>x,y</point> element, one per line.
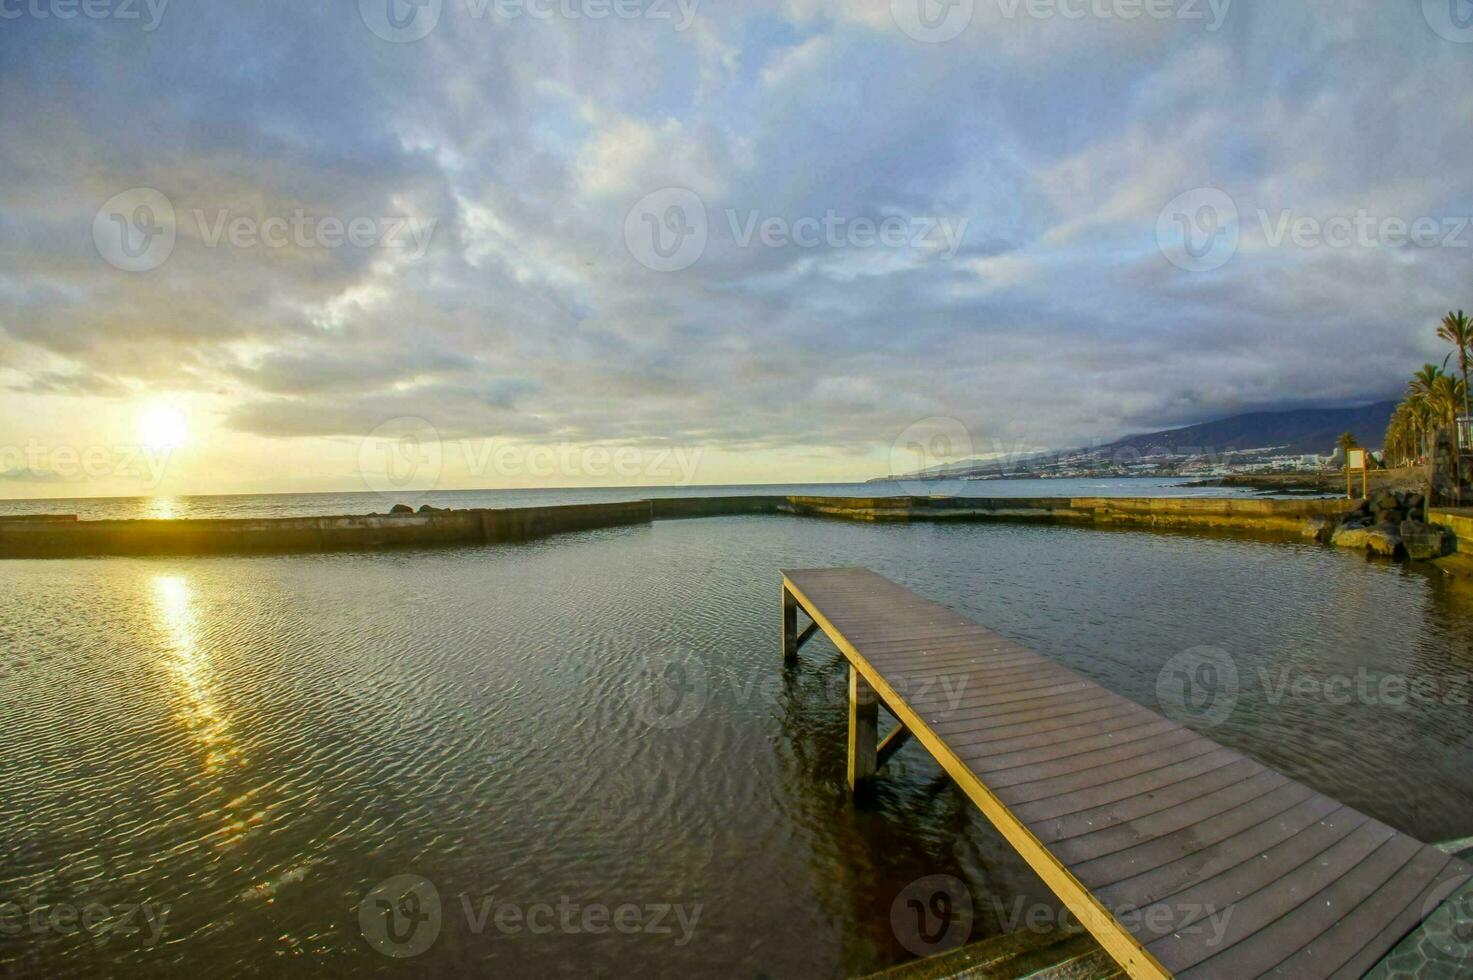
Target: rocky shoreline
<point>1409,479</point>
<point>1391,524</point>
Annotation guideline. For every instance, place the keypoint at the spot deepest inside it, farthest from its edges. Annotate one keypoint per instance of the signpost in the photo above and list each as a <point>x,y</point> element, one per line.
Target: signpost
<point>1355,459</point>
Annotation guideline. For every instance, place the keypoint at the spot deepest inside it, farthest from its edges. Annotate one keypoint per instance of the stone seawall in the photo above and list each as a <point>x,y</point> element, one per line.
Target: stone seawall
<point>1460,520</point>
<point>30,538</point>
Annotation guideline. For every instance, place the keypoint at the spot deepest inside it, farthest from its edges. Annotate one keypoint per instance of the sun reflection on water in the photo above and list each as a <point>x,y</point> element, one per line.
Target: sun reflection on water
<point>164,508</point>
<point>190,667</point>
<point>192,671</point>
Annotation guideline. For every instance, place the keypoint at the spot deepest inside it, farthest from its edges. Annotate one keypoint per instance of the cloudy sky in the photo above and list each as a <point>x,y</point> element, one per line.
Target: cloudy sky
<point>639,241</point>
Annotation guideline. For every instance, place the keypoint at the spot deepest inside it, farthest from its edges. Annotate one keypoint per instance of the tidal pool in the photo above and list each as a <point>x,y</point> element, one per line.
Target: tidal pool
<point>589,748</point>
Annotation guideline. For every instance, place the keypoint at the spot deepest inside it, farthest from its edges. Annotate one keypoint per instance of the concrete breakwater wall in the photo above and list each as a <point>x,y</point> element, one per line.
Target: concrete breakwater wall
<point>33,539</point>
<point>1287,516</point>
<point>1460,521</point>
<point>69,537</point>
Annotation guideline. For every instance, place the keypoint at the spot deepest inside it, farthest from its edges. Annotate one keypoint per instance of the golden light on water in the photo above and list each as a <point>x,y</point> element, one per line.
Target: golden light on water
<point>192,673</point>
<point>191,670</point>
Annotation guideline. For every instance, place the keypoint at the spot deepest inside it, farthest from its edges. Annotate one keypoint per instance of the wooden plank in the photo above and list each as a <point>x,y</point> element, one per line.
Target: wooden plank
<point>1115,807</point>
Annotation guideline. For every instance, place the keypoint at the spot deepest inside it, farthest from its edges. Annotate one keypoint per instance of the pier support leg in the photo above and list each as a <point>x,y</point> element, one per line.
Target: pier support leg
<point>864,718</point>
<point>790,627</point>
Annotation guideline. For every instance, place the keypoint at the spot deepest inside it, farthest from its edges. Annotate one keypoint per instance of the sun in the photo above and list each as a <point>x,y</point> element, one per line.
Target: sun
<point>163,427</point>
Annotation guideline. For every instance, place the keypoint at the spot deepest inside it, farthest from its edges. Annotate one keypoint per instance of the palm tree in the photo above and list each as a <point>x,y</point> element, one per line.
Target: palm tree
<point>1401,436</point>
<point>1457,330</point>
<point>1420,410</point>
<point>1346,442</point>
<point>1447,394</point>
<point>1419,395</point>
<point>1423,380</point>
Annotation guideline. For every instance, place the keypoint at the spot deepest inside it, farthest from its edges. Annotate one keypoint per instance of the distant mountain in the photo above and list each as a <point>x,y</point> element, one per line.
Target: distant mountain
<point>1295,432</point>
<point>1241,440</point>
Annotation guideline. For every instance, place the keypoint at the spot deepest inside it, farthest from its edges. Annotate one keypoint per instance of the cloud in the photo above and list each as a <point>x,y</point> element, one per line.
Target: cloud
<point>1055,143</point>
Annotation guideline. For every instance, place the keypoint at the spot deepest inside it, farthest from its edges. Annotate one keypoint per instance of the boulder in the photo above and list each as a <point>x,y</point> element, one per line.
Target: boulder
<point>1351,537</point>
<point>401,509</point>
<point>1414,503</point>
<point>1385,540</point>
<point>1318,528</point>
<point>1384,500</point>
<point>427,509</point>
<point>1424,542</point>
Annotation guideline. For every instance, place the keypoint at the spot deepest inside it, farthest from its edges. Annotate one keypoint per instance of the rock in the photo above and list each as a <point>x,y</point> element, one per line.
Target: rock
<point>1392,515</point>
<point>427,509</point>
<point>1319,528</point>
<point>1385,540</point>
<point>401,509</point>
<point>1424,542</point>
<point>1414,503</point>
<point>1384,500</point>
<point>1351,537</point>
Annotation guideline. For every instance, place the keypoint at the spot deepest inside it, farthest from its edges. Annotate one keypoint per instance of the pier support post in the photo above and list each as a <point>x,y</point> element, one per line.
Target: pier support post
<point>790,627</point>
<point>864,727</point>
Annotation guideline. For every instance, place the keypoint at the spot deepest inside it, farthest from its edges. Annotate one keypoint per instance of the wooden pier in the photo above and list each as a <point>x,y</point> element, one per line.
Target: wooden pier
<point>1141,827</point>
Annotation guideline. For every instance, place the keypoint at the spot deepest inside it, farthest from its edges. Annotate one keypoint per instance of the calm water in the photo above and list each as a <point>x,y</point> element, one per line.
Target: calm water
<point>299,504</point>
<point>254,743</point>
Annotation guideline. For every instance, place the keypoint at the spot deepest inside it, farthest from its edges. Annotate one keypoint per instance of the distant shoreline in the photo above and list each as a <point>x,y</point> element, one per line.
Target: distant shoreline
<point>1408,478</point>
